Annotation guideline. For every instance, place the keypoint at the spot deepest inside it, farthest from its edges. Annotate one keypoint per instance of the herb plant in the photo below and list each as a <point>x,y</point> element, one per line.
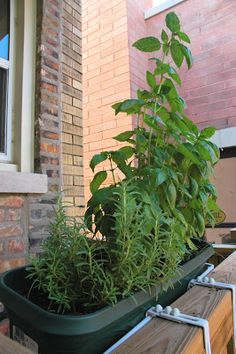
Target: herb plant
<point>142,225</point>
<point>168,158</point>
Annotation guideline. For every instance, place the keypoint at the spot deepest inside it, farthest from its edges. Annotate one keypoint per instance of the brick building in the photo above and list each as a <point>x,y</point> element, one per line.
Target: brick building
<point>40,120</point>
<point>45,144</point>
<point>109,29</point>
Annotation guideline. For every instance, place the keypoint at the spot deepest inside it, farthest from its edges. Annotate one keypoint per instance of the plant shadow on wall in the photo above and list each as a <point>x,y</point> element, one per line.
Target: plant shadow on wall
<point>142,225</point>
<point>137,232</point>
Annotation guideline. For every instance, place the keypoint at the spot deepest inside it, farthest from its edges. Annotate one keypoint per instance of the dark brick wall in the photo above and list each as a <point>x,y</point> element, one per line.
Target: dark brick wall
<point>47,118</point>
<point>72,128</point>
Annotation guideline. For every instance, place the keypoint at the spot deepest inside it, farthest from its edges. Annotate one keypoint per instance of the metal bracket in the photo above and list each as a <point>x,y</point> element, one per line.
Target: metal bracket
<point>176,316</point>
<point>211,283</point>
<point>181,318</point>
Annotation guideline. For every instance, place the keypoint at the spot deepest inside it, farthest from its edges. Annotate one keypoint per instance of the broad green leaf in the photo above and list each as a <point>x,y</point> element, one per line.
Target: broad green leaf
<point>177,104</point>
<point>172,22</point>
<point>210,188</point>
<point>164,36</point>
<point>174,75</point>
<point>180,124</point>
<point>125,169</point>
<point>147,44</point>
<point>127,151</point>
<point>185,150</point>
<point>163,114</point>
<point>125,136</point>
<point>207,133</point>
<point>216,150</point>
<point>165,48</point>
<point>161,176</point>
<point>117,157</point>
<point>151,79</point>
<point>171,194</point>
<point>207,151</point>
<point>177,213</point>
<point>151,121</point>
<point>98,179</point>
<point>144,94</point>
<point>191,125</point>
<point>190,244</point>
<point>96,159</point>
<point>188,55</point>
<point>173,91</point>
<point>128,106</point>
<point>204,197</point>
<point>101,196</point>
<point>184,37</point>
<point>193,187</point>
<point>203,151</point>
<point>176,53</point>
<point>200,223</point>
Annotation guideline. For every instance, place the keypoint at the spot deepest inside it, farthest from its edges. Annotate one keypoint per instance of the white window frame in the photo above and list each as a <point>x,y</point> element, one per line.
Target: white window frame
<point>6,64</point>
<point>20,108</point>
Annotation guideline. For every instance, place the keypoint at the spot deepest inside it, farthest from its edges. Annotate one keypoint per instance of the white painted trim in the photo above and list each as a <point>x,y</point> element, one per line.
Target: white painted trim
<point>21,87</point>
<point>8,167</point>
<point>225,137</point>
<point>4,63</point>
<point>7,64</point>
<point>20,182</point>
<point>28,87</point>
<point>162,7</point>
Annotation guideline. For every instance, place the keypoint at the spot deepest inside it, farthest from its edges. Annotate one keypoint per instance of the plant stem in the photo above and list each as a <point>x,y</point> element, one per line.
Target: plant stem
<point>112,170</point>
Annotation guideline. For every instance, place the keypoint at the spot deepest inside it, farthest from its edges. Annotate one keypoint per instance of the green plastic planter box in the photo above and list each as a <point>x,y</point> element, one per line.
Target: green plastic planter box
<point>48,333</point>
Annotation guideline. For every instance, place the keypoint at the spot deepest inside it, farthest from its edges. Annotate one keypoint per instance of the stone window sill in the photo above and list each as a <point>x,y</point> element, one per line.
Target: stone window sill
<point>23,182</point>
<point>162,7</point>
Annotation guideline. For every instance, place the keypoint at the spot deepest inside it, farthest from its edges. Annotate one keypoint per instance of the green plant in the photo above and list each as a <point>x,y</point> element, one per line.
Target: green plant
<point>142,225</point>
<point>79,274</point>
<point>167,155</point>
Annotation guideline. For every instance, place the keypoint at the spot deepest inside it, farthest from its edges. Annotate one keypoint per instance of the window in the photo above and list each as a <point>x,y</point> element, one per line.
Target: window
<point>17,78</point>
<point>4,77</point>
<point>224,179</point>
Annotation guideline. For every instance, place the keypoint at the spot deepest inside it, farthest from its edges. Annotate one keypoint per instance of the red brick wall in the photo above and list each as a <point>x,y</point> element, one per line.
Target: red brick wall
<point>210,86</point>
<point>13,231</point>
<point>113,70</point>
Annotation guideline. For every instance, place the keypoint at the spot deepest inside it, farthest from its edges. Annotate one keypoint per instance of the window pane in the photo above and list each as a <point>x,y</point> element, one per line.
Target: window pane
<point>4,28</point>
<point>3,110</point>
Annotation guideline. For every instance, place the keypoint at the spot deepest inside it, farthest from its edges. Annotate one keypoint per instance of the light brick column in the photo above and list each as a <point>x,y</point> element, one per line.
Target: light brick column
<point>106,76</point>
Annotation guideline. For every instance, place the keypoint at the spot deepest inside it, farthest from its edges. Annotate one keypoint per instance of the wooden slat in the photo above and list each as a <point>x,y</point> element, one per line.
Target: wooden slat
<point>8,346</point>
<point>165,337</point>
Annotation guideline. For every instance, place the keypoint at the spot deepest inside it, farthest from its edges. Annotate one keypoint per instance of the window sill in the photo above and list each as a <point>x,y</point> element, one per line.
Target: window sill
<point>162,7</point>
<point>23,182</point>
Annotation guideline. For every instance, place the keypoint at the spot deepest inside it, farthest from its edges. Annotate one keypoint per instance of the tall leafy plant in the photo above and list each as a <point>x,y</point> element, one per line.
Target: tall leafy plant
<point>167,157</point>
<point>143,224</point>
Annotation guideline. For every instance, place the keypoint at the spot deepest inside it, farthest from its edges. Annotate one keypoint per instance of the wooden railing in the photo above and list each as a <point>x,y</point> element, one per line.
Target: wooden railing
<point>161,336</point>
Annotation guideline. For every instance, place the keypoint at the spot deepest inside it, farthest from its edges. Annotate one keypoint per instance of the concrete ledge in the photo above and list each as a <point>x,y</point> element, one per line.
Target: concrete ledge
<point>23,182</point>
<point>162,7</point>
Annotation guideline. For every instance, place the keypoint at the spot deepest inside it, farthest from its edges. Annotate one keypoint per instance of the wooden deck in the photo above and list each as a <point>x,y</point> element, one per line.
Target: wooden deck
<point>8,346</point>
<point>160,336</point>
